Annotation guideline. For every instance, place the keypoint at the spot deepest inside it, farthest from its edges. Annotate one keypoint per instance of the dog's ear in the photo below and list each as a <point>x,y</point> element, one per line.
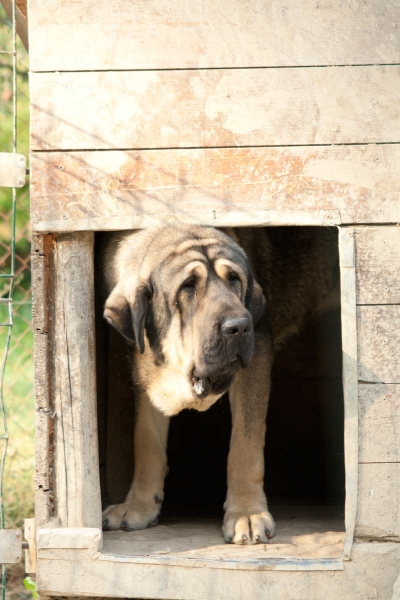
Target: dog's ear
<point>129,316</point>
<point>255,301</point>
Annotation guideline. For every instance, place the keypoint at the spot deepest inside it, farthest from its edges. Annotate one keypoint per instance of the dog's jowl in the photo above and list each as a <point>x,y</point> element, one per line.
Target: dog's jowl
<point>205,311</point>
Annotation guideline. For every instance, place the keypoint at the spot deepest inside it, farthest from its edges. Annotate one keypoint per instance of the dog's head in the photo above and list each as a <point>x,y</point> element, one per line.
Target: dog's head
<point>187,297</point>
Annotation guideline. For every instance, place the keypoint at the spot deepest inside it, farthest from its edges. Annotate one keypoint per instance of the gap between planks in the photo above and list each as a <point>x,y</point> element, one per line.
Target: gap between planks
<point>378,304</point>
<point>134,149</point>
<point>219,68</point>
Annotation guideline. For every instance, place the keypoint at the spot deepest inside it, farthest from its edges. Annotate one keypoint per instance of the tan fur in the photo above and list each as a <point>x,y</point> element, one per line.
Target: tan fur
<point>169,387</point>
<point>147,273</point>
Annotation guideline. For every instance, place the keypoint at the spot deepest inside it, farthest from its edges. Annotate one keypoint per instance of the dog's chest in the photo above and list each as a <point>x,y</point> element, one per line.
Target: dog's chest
<point>171,391</point>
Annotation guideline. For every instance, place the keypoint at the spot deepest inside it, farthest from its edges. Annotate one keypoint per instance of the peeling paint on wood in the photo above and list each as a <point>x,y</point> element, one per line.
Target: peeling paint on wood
<point>249,107</point>
<point>84,185</point>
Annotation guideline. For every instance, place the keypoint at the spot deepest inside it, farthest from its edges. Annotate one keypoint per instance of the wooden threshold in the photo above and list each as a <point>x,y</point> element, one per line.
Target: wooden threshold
<point>308,538</point>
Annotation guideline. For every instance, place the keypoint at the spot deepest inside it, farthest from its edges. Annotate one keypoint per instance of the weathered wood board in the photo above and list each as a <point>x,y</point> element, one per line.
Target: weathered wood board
<point>302,534</point>
<point>116,189</point>
<point>372,572</point>
<point>205,33</point>
<point>378,514</point>
<point>74,383</point>
<point>378,265</point>
<point>379,423</point>
<point>378,343</point>
<point>349,378</point>
<point>227,107</point>
<point>41,316</point>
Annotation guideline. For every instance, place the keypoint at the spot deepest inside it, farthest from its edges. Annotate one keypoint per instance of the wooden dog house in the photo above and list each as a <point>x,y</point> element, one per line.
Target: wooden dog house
<point>230,114</point>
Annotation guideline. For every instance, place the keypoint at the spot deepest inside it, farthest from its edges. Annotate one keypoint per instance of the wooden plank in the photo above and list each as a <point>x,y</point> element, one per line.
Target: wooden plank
<point>74,380</point>
<point>240,107</point>
<point>120,189</point>
<point>203,33</point>
<point>212,218</point>
<point>378,263</point>
<point>378,514</point>
<point>41,247</point>
<point>349,349</point>
<point>373,571</point>
<point>70,538</point>
<point>30,552</point>
<point>379,343</point>
<point>379,424</point>
<point>42,289</point>
<point>301,533</point>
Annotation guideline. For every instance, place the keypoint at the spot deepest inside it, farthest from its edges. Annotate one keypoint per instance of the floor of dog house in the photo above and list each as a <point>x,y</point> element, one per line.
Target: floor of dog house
<point>303,532</point>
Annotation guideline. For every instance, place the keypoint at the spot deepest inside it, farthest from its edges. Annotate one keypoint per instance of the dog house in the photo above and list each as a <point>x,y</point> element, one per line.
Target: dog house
<point>235,113</point>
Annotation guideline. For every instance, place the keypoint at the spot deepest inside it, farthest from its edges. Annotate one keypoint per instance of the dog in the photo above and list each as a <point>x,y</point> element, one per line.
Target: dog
<point>206,310</point>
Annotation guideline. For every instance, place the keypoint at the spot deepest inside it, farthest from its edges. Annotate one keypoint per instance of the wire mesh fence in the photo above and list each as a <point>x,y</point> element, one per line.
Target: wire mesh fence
<point>17,388</point>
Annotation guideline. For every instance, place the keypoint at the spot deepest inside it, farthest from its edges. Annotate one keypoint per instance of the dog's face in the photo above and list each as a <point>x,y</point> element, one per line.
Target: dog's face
<point>189,291</point>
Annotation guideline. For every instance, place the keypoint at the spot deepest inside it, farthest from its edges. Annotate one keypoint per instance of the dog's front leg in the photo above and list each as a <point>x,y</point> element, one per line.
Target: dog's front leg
<point>247,519</point>
<point>143,503</point>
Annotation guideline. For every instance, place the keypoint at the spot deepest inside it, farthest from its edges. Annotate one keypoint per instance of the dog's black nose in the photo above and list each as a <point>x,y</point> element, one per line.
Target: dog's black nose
<point>236,325</point>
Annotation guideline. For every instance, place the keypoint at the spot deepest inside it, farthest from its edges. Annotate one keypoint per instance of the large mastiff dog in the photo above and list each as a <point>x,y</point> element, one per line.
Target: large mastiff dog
<point>206,310</point>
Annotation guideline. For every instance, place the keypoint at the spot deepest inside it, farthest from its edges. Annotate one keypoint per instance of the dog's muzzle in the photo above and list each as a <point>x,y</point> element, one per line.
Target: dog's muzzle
<point>222,358</point>
<point>218,383</point>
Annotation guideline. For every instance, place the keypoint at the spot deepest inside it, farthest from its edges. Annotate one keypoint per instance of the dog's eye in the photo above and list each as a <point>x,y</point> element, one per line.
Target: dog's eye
<point>233,277</point>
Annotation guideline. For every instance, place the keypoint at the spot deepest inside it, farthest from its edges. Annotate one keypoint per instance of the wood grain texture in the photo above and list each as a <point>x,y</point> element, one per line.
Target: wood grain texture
<point>379,423</point>
<point>240,107</point>
<point>360,181</point>
<point>30,552</point>
<point>378,514</point>
<point>208,217</point>
<point>378,265</point>
<point>302,533</point>
<point>74,381</point>
<point>349,378</point>
<point>378,329</point>
<point>203,33</point>
<point>373,571</point>
<point>42,281</point>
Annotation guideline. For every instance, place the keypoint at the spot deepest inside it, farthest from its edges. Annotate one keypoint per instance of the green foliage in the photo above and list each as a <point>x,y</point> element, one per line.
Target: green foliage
<point>18,485</point>
<point>30,585</point>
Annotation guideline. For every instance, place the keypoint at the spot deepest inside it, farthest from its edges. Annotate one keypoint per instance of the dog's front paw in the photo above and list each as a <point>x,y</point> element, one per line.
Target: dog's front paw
<point>248,526</point>
<point>132,516</point>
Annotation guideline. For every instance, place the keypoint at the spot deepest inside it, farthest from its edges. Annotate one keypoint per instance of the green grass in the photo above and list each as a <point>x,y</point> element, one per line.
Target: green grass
<point>18,484</point>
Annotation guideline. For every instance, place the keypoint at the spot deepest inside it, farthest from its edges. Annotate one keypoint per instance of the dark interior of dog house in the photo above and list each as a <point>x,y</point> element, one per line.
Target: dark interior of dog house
<point>304,452</point>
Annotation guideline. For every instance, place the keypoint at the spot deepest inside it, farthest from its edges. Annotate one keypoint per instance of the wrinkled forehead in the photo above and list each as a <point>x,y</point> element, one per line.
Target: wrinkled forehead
<point>209,251</point>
